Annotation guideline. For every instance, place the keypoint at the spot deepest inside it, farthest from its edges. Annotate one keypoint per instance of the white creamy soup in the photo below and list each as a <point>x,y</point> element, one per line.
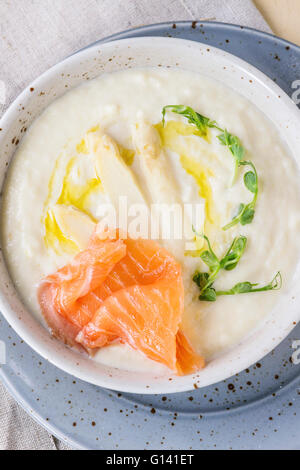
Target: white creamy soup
<point>54,167</point>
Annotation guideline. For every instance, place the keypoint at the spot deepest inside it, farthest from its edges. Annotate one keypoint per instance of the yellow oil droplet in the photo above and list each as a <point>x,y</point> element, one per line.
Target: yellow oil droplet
<point>94,128</point>
<point>175,128</point>
<point>126,154</point>
<point>199,246</point>
<point>82,148</point>
<point>77,195</point>
<point>51,184</point>
<point>54,237</point>
<point>195,169</point>
<point>72,194</point>
<point>170,135</point>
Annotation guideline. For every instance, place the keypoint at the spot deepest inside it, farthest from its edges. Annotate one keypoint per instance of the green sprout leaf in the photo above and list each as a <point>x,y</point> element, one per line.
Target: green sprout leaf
<point>209,295</point>
<point>205,280</point>
<point>210,261</point>
<point>233,143</point>
<point>246,212</point>
<point>250,181</point>
<point>234,253</point>
<point>247,287</point>
<point>247,216</point>
<point>237,150</point>
<point>200,279</point>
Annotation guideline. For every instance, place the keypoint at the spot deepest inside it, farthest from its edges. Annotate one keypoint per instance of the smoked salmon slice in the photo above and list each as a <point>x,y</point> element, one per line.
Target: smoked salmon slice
<point>145,262</point>
<point>147,317</point>
<point>133,295</point>
<point>58,293</point>
<point>188,362</point>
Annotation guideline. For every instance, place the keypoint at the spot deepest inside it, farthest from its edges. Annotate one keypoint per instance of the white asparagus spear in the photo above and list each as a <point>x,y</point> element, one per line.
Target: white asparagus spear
<point>160,182</point>
<point>116,177</point>
<point>74,224</point>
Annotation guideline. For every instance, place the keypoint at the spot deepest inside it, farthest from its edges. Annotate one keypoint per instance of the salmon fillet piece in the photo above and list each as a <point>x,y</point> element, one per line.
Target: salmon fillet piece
<point>147,317</point>
<point>134,295</point>
<point>188,362</point>
<point>144,263</point>
<point>58,293</point>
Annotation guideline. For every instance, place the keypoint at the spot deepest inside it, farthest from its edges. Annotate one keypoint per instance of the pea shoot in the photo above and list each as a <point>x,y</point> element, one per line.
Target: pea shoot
<point>211,294</point>
<point>235,147</point>
<point>228,262</point>
<point>205,280</point>
<point>245,212</point>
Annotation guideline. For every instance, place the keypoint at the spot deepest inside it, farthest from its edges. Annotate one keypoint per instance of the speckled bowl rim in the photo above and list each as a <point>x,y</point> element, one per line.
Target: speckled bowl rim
<point>242,355</point>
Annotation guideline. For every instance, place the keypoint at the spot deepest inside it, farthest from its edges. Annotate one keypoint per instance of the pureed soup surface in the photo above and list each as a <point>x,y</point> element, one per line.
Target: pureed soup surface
<point>54,167</point>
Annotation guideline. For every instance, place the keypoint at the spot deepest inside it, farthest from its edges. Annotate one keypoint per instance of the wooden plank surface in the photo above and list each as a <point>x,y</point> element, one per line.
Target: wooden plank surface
<point>283,17</point>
